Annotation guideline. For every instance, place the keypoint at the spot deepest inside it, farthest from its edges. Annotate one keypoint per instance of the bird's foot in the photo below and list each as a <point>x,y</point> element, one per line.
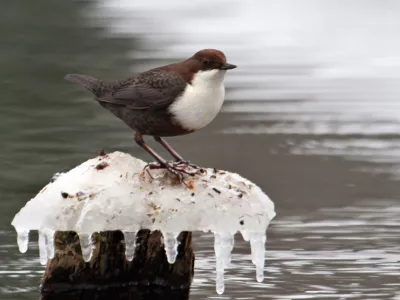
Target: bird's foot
<point>178,168</point>
<point>188,168</point>
<point>187,164</point>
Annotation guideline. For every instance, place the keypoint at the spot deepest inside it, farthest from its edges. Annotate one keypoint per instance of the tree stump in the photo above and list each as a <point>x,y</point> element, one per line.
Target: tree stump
<point>108,275</point>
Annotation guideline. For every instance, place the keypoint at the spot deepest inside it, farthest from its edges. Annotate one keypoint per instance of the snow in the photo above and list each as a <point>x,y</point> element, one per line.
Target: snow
<point>113,192</point>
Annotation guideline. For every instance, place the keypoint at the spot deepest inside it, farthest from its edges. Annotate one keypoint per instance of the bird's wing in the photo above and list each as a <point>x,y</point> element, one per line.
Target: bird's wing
<point>150,90</point>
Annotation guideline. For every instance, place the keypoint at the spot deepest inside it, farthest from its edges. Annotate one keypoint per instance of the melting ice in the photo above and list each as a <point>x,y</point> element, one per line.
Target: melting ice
<point>130,245</point>
<point>171,245</point>
<point>42,247</point>
<point>119,196</point>
<point>22,239</point>
<point>257,244</point>
<point>223,245</point>
<point>49,234</point>
<point>87,246</point>
<point>46,244</point>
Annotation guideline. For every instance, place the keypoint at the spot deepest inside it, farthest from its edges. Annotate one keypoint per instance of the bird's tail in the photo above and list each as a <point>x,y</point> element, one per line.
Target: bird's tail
<point>94,85</point>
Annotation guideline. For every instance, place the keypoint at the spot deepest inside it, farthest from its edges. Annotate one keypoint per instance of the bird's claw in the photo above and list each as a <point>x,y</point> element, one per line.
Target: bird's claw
<point>178,168</point>
<point>182,161</point>
<point>188,164</point>
<point>187,168</point>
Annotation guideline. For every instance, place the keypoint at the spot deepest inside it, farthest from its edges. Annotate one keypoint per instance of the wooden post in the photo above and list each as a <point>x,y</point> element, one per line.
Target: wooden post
<point>109,275</point>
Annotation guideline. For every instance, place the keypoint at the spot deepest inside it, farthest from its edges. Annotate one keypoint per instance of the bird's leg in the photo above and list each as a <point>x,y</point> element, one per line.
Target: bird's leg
<point>169,148</point>
<point>179,159</point>
<point>162,163</point>
<point>139,140</point>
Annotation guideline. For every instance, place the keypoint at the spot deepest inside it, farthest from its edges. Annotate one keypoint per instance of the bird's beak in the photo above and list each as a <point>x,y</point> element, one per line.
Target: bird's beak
<point>227,67</point>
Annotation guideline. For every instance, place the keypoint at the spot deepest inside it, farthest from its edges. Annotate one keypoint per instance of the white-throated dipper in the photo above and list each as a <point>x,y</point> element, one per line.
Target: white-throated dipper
<point>172,100</point>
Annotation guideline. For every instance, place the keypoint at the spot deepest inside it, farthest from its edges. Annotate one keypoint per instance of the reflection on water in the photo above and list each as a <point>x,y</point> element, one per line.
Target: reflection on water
<point>316,83</point>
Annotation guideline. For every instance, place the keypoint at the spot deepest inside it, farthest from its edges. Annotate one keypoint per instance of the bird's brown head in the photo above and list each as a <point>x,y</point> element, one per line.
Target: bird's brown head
<point>210,59</point>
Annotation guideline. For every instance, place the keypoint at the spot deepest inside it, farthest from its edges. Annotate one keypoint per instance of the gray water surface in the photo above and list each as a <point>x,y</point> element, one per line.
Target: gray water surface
<point>325,148</point>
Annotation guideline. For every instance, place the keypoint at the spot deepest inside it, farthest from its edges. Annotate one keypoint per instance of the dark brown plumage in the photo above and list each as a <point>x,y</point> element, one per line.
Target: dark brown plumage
<point>140,101</point>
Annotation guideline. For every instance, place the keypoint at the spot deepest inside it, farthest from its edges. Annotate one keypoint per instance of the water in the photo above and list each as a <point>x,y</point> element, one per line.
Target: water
<point>312,118</point>
<point>322,254</point>
<point>300,70</point>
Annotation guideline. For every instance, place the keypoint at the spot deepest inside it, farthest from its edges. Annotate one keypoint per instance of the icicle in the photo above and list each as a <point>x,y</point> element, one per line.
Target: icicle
<point>223,245</point>
<point>257,243</point>
<point>229,240</point>
<point>22,239</point>
<point>86,246</point>
<point>130,245</point>
<point>171,245</point>
<point>50,242</point>
<point>42,247</point>
<point>219,284</point>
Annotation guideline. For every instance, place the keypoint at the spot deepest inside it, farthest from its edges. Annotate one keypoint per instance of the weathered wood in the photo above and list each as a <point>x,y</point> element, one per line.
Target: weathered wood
<point>109,276</point>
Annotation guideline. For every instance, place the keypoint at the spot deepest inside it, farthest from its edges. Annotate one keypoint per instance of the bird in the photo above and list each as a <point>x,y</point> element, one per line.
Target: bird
<point>166,101</point>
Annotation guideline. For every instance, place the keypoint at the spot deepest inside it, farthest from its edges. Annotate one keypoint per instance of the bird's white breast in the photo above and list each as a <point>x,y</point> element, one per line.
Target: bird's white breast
<point>201,101</point>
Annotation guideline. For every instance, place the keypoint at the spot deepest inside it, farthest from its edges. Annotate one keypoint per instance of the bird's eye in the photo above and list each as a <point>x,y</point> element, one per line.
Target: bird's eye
<point>206,62</point>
